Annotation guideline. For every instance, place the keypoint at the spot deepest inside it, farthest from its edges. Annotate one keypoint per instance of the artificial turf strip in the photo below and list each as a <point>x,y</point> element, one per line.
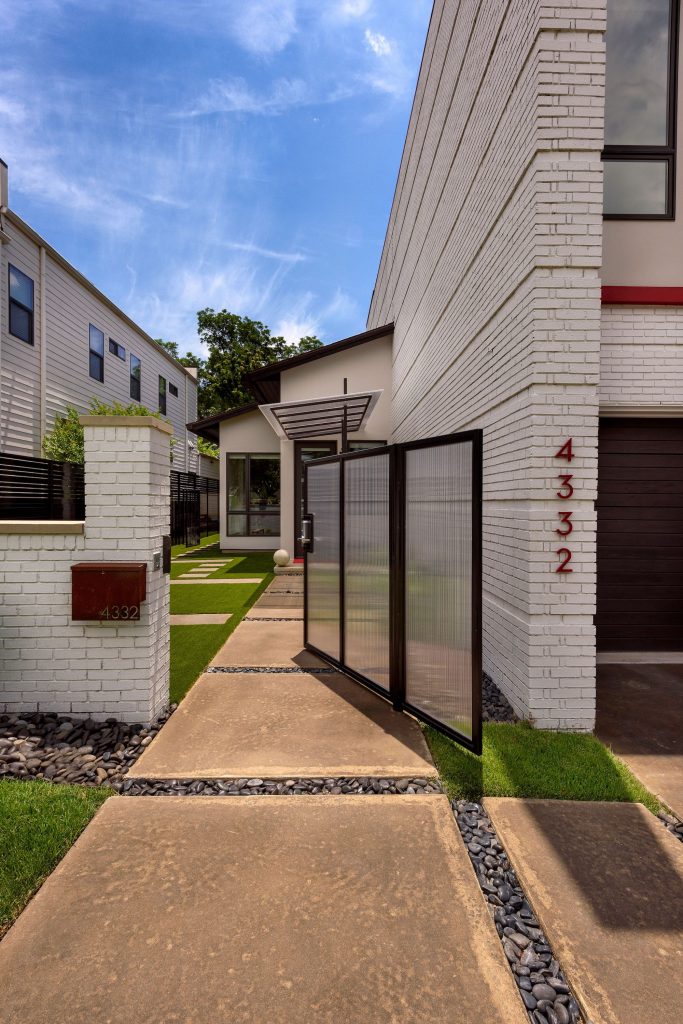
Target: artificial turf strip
<point>211,541</point>
<point>193,647</point>
<point>534,763</point>
<point>39,821</point>
<point>193,599</point>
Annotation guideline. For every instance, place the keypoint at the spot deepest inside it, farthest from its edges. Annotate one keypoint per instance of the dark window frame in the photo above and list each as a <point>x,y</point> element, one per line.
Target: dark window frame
<point>162,394</point>
<point>173,389</point>
<point>248,511</point>
<point>99,356</point>
<point>20,305</point>
<point>657,154</point>
<point>117,350</point>
<point>135,380</point>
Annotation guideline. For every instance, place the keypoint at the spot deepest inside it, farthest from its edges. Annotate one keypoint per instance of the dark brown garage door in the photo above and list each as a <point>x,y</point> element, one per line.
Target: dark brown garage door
<point>640,535</point>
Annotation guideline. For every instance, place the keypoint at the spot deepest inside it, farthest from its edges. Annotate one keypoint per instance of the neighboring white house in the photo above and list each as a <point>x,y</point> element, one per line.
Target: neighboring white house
<point>533,275</point>
<point>261,471</point>
<point>62,342</point>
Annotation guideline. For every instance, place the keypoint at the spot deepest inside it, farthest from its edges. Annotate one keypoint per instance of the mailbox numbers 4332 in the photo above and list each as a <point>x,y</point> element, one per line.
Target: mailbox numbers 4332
<point>564,492</point>
<point>122,612</point>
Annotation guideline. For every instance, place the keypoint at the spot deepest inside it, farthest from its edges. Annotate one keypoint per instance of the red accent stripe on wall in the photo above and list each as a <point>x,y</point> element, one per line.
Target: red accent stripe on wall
<point>627,295</point>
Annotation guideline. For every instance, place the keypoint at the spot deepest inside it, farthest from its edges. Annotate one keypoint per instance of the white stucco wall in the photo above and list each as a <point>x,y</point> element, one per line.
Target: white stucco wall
<point>490,270</point>
<point>248,434</point>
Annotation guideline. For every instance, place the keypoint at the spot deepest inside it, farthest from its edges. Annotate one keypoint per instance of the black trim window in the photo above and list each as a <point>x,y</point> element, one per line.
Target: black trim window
<point>162,395</point>
<point>362,446</point>
<point>116,349</point>
<point>172,390</point>
<point>253,495</point>
<point>135,377</point>
<point>640,110</point>
<point>20,305</point>
<point>96,342</point>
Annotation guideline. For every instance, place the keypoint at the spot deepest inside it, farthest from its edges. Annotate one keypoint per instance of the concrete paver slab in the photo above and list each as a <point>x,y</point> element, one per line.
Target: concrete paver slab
<point>223,582</point>
<point>606,882</point>
<point>276,613</point>
<point>270,725</point>
<point>268,645</point>
<point>203,619</point>
<point>283,585</point>
<point>280,601</point>
<point>342,910</point>
<point>640,716</point>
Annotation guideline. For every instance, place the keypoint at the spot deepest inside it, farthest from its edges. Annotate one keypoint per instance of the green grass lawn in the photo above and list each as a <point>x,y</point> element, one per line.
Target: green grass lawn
<point>524,762</point>
<point>39,821</point>
<point>193,647</point>
<point>211,540</point>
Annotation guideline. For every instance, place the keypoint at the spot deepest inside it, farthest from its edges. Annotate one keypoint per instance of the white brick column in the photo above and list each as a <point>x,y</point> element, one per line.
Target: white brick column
<point>127,509</point>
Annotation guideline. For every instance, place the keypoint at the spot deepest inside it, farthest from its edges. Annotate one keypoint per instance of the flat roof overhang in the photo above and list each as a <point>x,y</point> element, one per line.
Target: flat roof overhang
<point>318,417</point>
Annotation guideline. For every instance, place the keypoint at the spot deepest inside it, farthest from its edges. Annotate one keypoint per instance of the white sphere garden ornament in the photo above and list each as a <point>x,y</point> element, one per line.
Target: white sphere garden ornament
<point>281,557</point>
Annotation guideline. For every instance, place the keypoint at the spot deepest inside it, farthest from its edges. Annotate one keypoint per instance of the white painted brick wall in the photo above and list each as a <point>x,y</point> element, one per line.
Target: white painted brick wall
<point>47,661</point>
<point>641,359</point>
<point>490,271</point>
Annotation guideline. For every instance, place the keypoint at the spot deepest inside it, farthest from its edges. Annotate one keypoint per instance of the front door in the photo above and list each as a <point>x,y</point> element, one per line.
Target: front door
<point>305,451</point>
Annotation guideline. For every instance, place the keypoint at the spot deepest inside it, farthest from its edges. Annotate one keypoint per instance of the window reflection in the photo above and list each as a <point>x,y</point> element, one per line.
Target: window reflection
<point>635,187</point>
<point>636,100</point>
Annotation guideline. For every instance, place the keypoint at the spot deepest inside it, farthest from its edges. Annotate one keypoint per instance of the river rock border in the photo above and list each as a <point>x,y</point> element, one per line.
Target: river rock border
<point>367,785</point>
<point>539,978</point>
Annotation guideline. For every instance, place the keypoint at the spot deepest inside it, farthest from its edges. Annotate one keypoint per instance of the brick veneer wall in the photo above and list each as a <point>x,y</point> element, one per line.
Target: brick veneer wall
<point>490,271</point>
<point>47,661</point>
<point>641,358</point>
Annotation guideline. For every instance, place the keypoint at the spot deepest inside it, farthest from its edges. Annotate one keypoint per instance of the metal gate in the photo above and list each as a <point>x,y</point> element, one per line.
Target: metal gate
<point>392,542</point>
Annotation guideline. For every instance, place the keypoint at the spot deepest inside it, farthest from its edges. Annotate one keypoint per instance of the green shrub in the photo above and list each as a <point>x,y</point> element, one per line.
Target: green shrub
<point>64,443</point>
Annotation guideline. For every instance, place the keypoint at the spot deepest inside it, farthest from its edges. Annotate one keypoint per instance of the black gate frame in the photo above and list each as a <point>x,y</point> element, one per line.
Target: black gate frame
<point>397,563</point>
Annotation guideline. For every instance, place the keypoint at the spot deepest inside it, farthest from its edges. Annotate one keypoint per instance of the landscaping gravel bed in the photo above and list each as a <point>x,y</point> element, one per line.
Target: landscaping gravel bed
<point>672,824</point>
<point>368,785</point>
<point>277,669</point>
<point>64,749</point>
<point>542,986</point>
<point>495,706</point>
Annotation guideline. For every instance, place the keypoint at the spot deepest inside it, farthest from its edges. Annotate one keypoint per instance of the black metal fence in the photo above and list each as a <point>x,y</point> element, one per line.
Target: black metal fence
<point>44,489</point>
<point>40,489</point>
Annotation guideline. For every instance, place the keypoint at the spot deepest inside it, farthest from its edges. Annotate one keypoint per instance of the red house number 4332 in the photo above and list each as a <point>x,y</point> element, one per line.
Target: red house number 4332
<point>564,493</point>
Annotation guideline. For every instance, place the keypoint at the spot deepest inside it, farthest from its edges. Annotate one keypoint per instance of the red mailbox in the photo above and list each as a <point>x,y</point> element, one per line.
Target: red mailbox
<point>108,591</point>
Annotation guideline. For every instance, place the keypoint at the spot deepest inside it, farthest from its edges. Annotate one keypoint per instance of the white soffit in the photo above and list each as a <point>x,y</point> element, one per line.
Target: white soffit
<point>318,417</point>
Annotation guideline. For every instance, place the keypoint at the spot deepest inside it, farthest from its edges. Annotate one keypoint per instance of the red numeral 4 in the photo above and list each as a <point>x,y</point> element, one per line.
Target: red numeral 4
<point>565,451</point>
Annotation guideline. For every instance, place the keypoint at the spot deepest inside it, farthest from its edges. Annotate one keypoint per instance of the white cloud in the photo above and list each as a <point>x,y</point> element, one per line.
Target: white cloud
<point>264,27</point>
<point>378,43</point>
<point>271,254</point>
<point>293,330</point>
<point>233,96</point>
<point>353,8</point>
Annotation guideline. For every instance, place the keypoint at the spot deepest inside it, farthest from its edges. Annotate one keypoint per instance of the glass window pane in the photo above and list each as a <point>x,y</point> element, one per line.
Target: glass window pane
<point>237,526</point>
<point>20,287</point>
<point>635,186</point>
<point>264,526</point>
<point>438,581</point>
<point>237,482</point>
<point>20,323</point>
<point>96,340</point>
<point>264,482</point>
<point>636,98</point>
<point>96,366</point>
<point>366,542</point>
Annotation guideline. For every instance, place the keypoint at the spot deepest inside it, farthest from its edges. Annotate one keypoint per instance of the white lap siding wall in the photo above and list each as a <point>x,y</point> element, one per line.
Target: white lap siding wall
<point>641,360</point>
<point>39,381</point>
<point>490,272</point>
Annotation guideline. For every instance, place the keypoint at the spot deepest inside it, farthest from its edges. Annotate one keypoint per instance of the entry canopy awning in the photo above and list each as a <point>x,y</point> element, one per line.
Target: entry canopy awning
<point>317,417</point>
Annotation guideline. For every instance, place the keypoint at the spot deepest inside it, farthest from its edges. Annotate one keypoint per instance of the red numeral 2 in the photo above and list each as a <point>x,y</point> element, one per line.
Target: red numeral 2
<point>565,517</point>
<point>567,489</point>
<point>565,451</point>
<point>566,556</point>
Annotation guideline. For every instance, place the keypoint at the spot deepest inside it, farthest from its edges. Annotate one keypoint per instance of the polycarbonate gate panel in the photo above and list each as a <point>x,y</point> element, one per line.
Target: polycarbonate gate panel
<point>439,490</point>
<point>323,601</point>
<point>366,567</point>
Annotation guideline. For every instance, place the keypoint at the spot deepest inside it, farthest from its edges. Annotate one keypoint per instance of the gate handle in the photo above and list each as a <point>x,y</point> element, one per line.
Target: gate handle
<point>306,537</point>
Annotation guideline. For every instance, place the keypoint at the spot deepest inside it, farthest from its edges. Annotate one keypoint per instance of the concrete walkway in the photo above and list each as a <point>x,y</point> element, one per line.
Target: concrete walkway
<point>640,716</point>
<point>606,883</point>
<point>245,910</point>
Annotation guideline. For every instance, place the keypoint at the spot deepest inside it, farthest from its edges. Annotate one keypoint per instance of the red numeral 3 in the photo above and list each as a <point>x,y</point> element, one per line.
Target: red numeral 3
<point>565,517</point>
<point>567,490</point>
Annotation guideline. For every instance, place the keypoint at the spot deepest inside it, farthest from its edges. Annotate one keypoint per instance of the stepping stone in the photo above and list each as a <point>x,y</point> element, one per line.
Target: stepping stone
<point>223,582</point>
<point>606,883</point>
<point>208,619</point>
<point>284,725</point>
<point>280,601</point>
<point>267,644</point>
<point>335,909</point>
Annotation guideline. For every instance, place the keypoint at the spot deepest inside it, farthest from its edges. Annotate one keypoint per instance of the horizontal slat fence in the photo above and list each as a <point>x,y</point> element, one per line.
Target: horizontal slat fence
<point>40,488</point>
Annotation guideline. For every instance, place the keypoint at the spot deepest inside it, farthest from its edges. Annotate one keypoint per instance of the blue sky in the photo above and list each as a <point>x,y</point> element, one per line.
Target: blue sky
<point>226,153</point>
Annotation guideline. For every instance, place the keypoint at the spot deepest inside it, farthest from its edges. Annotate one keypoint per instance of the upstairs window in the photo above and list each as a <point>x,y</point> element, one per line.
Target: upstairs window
<point>173,390</point>
<point>116,349</point>
<point>96,337</point>
<point>640,109</point>
<point>135,377</point>
<point>162,395</point>
<point>20,305</point>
